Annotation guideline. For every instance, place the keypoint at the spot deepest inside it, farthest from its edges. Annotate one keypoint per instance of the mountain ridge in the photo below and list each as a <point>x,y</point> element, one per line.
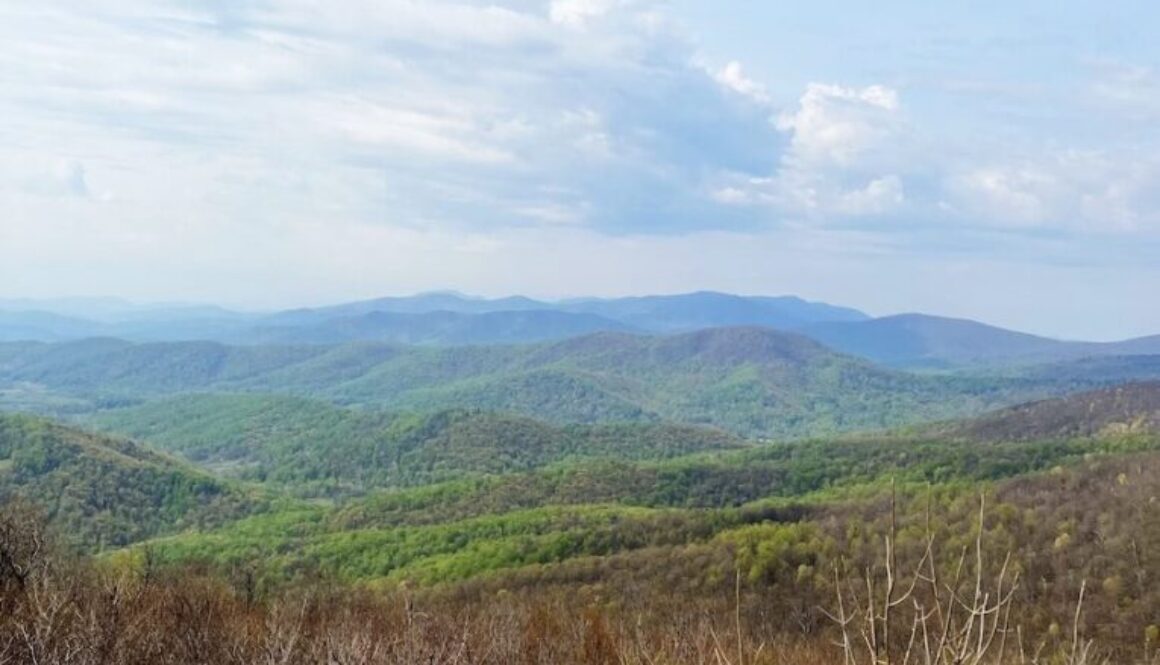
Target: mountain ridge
<point>909,341</point>
<point>1131,408</point>
<point>300,441</point>
<point>749,380</point>
<point>668,313</point>
<point>925,341</point>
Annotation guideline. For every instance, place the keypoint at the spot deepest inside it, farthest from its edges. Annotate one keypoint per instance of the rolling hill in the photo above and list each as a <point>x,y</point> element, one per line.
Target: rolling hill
<point>310,444</point>
<point>753,381</point>
<point>592,509</point>
<point>116,367</point>
<point>1105,370</point>
<point>107,492</point>
<point>1128,409</point>
<point>748,380</point>
<point>445,319</point>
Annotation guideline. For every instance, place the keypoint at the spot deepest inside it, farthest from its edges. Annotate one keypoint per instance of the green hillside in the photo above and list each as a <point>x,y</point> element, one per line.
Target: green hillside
<point>454,530</point>
<point>314,446</point>
<point>480,505</point>
<point>751,381</point>
<point>1132,409</point>
<point>107,492</point>
<point>117,367</point>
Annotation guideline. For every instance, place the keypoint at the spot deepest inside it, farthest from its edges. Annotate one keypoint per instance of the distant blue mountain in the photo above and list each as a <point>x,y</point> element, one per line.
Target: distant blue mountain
<point>708,309</point>
<point>78,318</point>
<point>79,308</point>
<point>435,328</point>
<point>424,303</point>
<point>44,326</point>
<point>454,319</point>
<point>920,340</point>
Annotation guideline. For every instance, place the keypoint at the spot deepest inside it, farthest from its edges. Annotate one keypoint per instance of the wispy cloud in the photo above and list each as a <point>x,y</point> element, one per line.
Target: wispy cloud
<point>514,104</point>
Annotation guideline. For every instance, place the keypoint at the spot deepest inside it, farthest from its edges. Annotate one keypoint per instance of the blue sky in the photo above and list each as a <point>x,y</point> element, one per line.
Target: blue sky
<point>991,160</point>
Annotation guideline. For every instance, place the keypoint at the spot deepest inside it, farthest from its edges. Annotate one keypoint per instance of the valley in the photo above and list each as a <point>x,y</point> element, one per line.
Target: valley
<point>735,464</point>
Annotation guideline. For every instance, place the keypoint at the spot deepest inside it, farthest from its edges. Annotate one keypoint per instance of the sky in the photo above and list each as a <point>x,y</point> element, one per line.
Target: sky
<point>992,160</point>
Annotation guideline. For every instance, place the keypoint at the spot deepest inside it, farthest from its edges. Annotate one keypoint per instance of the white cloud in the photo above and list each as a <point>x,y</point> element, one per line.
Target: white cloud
<point>451,112</point>
<point>878,197</point>
<point>435,24</point>
<point>733,78</point>
<point>453,136</point>
<point>732,195</point>
<point>837,125</point>
<point>1084,192</point>
<point>839,160</point>
<point>578,12</point>
<point>1006,195</point>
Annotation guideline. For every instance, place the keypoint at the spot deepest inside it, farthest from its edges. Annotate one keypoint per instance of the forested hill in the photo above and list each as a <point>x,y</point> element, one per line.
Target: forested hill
<point>316,447</point>
<point>1132,408</point>
<point>753,381</point>
<point>588,512</point>
<point>106,492</point>
<point>460,500</point>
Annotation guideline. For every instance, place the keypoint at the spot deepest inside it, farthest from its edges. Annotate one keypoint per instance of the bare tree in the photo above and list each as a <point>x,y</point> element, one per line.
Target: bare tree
<point>895,615</point>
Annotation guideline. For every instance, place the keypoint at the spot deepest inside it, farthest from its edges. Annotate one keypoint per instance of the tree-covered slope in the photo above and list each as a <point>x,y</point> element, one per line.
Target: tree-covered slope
<point>105,492</point>
<point>308,444</point>
<point>1086,372</point>
<point>113,366</point>
<point>753,381</point>
<point>749,380</point>
<point>505,495</point>
<point>1129,409</point>
<point>454,530</point>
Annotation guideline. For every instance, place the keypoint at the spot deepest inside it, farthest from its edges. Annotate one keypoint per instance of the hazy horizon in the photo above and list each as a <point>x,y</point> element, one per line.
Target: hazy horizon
<point>996,163</point>
<point>63,302</point>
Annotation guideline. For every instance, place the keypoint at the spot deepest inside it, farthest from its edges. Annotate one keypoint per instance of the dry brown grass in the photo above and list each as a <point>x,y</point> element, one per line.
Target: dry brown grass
<point>54,610</point>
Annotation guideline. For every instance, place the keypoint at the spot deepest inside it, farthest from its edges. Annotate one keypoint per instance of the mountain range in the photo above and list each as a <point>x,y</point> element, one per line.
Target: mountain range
<point>919,340</point>
<point>749,380</point>
<point>912,341</point>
